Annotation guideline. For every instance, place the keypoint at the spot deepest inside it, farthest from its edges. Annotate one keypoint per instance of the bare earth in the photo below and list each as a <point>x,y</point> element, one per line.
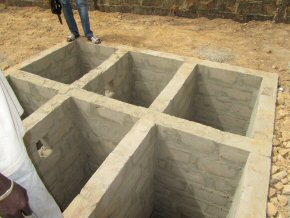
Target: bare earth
<point>24,32</point>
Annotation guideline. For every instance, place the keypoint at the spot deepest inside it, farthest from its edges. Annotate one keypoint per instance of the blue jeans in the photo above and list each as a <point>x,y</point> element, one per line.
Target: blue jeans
<point>83,12</point>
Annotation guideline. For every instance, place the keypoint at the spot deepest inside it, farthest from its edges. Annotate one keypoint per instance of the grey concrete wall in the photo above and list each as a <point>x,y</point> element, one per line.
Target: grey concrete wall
<point>102,129</point>
<point>136,78</point>
<point>195,177</point>
<point>181,106</point>
<point>70,62</point>
<point>80,136</point>
<point>30,95</point>
<point>225,99</point>
<point>219,98</point>
<point>131,193</point>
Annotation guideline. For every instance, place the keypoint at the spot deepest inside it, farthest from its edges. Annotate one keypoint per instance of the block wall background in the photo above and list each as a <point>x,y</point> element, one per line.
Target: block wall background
<point>241,10</point>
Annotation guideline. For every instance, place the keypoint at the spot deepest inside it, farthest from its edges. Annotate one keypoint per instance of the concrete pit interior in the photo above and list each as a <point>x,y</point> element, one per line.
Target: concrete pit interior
<point>138,133</point>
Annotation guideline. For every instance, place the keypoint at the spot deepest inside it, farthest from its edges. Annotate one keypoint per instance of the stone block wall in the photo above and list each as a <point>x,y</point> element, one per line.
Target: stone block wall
<point>102,157</point>
<point>244,10</point>
<point>46,3</point>
<point>241,10</point>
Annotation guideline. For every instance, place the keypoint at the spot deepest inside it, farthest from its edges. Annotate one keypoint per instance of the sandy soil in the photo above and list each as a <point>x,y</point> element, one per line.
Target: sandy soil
<point>259,45</point>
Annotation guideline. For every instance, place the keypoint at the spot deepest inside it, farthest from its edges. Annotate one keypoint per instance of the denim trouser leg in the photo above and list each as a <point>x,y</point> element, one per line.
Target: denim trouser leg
<point>82,6</point>
<point>69,17</point>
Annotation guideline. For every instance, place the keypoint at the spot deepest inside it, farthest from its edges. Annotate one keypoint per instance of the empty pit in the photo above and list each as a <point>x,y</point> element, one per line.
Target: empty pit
<point>219,98</point>
<point>136,78</point>
<point>70,62</point>
<point>170,174</point>
<point>30,95</point>
<point>77,137</point>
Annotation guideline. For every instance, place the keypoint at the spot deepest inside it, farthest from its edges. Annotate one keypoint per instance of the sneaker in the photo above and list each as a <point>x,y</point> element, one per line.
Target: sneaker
<point>95,40</point>
<point>72,37</point>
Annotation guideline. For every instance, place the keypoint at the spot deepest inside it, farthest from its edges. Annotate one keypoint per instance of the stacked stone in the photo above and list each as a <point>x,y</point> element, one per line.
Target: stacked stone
<point>279,191</point>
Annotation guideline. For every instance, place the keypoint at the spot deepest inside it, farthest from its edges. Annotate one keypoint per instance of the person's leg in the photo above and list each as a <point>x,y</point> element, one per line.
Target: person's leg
<point>40,201</point>
<point>69,17</point>
<point>82,6</point>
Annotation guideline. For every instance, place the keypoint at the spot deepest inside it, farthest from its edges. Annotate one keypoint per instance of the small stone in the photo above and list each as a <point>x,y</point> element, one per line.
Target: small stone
<point>274,67</point>
<point>45,151</point>
<point>283,152</point>
<point>283,200</point>
<point>276,142</point>
<point>274,169</point>
<point>280,157</point>
<point>274,200</point>
<point>272,192</point>
<point>269,51</point>
<point>286,190</point>
<point>271,209</point>
<point>280,89</point>
<point>279,186</point>
<point>278,176</point>
<point>282,69</point>
<point>275,151</point>
<point>284,181</point>
<point>287,145</point>
<point>279,215</point>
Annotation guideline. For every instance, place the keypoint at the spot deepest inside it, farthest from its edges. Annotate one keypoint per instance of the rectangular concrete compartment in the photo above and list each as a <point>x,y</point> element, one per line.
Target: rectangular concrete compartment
<point>30,96</point>
<point>69,144</point>
<point>169,174</point>
<point>219,98</point>
<point>70,62</point>
<point>136,78</point>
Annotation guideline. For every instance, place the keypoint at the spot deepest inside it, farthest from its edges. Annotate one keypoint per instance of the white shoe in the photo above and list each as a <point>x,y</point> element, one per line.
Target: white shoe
<point>72,37</point>
<point>95,40</point>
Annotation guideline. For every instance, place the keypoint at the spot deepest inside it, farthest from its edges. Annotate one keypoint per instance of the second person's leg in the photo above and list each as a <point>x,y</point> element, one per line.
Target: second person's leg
<point>69,17</point>
<point>82,6</point>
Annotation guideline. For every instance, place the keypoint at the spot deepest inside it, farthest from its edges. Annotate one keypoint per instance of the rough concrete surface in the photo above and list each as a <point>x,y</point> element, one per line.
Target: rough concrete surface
<point>140,133</point>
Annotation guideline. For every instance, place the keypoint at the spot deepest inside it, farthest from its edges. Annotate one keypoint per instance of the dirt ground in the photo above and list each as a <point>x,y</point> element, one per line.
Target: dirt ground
<point>24,32</point>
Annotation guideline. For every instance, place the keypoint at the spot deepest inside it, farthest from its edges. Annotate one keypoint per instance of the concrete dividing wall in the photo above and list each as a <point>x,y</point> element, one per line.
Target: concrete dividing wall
<point>136,78</point>
<point>102,155</point>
